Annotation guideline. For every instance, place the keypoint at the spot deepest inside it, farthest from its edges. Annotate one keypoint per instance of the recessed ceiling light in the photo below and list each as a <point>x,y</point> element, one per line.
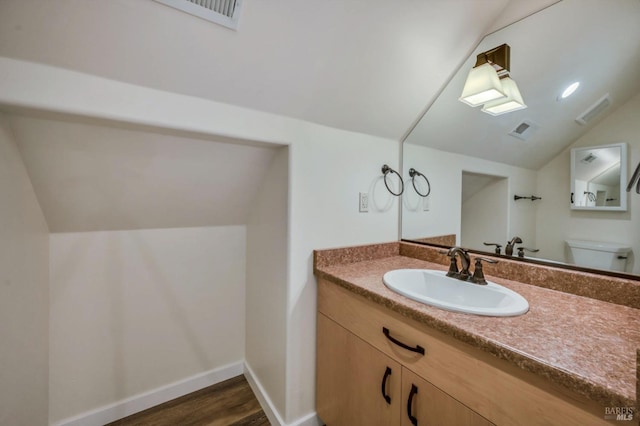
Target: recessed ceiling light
<point>570,90</point>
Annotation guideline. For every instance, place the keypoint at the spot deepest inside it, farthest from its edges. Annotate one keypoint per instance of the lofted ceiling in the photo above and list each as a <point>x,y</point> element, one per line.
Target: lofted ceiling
<point>92,177</point>
<point>595,42</point>
<point>368,66</point>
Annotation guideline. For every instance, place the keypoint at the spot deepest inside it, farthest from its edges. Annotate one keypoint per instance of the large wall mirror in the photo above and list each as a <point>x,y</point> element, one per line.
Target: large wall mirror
<point>495,178</point>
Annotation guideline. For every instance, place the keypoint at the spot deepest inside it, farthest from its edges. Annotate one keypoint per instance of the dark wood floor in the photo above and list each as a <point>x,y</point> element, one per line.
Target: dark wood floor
<point>227,403</point>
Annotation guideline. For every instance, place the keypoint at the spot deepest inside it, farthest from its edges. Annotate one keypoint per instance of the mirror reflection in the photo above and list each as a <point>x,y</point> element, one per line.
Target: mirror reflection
<point>598,176</point>
<point>506,180</point>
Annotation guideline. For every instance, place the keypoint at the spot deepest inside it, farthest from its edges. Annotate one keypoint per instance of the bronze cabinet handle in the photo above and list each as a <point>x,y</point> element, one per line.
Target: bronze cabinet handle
<point>414,391</point>
<point>386,397</point>
<point>418,349</point>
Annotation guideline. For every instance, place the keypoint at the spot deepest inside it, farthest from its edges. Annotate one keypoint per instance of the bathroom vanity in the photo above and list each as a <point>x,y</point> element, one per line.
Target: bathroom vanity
<point>385,359</point>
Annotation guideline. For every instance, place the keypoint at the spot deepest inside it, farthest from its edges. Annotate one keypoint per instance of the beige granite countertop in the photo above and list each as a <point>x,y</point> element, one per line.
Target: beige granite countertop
<point>584,344</point>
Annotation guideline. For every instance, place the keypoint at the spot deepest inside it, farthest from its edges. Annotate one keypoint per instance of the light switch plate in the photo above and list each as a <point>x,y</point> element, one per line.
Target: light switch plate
<point>364,202</point>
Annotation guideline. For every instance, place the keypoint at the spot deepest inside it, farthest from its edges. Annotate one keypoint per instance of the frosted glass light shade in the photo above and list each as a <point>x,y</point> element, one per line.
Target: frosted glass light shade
<point>482,85</point>
<point>512,102</point>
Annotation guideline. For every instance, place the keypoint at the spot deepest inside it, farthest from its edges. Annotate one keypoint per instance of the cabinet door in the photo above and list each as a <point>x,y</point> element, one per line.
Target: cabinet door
<point>425,404</point>
<point>356,383</point>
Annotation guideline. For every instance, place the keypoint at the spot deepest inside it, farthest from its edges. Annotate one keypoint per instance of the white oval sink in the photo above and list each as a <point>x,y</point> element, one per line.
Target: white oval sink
<point>436,289</point>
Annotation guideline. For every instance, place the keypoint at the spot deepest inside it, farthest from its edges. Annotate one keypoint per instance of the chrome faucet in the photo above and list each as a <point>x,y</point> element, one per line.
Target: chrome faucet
<point>508,250</point>
<point>465,261</point>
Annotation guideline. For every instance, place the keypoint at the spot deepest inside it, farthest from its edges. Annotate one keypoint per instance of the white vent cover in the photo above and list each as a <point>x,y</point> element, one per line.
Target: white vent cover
<point>223,12</point>
<point>524,130</point>
<point>594,110</point>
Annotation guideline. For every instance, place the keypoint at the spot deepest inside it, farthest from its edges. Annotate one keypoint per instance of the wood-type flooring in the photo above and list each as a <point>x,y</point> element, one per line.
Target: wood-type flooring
<point>229,403</point>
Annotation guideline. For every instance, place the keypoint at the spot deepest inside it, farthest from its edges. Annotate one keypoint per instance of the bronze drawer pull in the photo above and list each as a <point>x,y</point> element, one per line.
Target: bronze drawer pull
<point>386,397</point>
<point>419,349</point>
<point>413,419</point>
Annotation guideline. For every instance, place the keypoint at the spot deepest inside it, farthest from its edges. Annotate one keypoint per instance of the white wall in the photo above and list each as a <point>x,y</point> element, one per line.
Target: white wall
<point>132,311</point>
<point>327,169</point>
<point>266,286</point>
<point>484,216</point>
<point>24,293</point>
<point>444,171</point>
<point>556,222</point>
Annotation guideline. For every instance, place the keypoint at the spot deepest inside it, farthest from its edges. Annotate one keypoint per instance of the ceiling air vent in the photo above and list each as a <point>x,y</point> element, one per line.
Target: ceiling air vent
<point>588,159</point>
<point>594,110</point>
<point>223,12</point>
<point>524,130</point>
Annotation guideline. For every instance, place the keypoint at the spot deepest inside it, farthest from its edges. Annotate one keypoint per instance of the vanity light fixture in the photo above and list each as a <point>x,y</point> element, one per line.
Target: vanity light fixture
<point>482,85</point>
<point>489,83</point>
<point>513,101</point>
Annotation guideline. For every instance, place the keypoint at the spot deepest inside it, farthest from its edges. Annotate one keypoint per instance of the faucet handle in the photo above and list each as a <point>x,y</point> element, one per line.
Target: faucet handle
<point>521,251</point>
<point>453,265</point>
<point>478,274</point>
<point>498,246</point>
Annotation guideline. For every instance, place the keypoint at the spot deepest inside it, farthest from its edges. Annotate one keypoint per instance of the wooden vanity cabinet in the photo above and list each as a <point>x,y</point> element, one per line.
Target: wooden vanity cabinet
<point>356,383</point>
<point>430,406</point>
<point>456,383</point>
<point>359,385</point>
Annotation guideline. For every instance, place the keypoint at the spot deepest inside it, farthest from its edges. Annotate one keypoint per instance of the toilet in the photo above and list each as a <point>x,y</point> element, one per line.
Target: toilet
<point>599,255</point>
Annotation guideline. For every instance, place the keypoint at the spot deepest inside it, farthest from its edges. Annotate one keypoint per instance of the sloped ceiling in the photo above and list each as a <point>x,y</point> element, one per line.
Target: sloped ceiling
<point>90,177</point>
<point>360,65</point>
<point>595,42</point>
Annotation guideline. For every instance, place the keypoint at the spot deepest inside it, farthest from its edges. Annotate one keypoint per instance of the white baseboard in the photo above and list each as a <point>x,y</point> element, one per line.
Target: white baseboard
<point>263,398</point>
<point>267,405</point>
<point>308,420</point>
<point>140,402</point>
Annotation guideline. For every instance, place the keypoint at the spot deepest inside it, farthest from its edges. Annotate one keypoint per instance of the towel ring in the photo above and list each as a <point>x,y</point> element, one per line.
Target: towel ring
<point>385,171</point>
<point>413,172</point>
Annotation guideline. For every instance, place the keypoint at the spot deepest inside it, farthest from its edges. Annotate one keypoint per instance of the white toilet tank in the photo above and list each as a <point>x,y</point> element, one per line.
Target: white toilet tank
<point>599,255</point>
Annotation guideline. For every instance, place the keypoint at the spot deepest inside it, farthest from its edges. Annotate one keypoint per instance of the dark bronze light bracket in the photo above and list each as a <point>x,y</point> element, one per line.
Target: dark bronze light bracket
<point>499,57</point>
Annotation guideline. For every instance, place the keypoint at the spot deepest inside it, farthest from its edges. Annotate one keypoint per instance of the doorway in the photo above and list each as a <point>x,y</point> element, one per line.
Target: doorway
<point>484,215</point>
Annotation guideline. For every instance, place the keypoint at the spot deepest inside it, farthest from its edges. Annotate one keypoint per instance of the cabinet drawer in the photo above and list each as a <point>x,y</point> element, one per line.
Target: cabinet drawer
<point>494,388</point>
